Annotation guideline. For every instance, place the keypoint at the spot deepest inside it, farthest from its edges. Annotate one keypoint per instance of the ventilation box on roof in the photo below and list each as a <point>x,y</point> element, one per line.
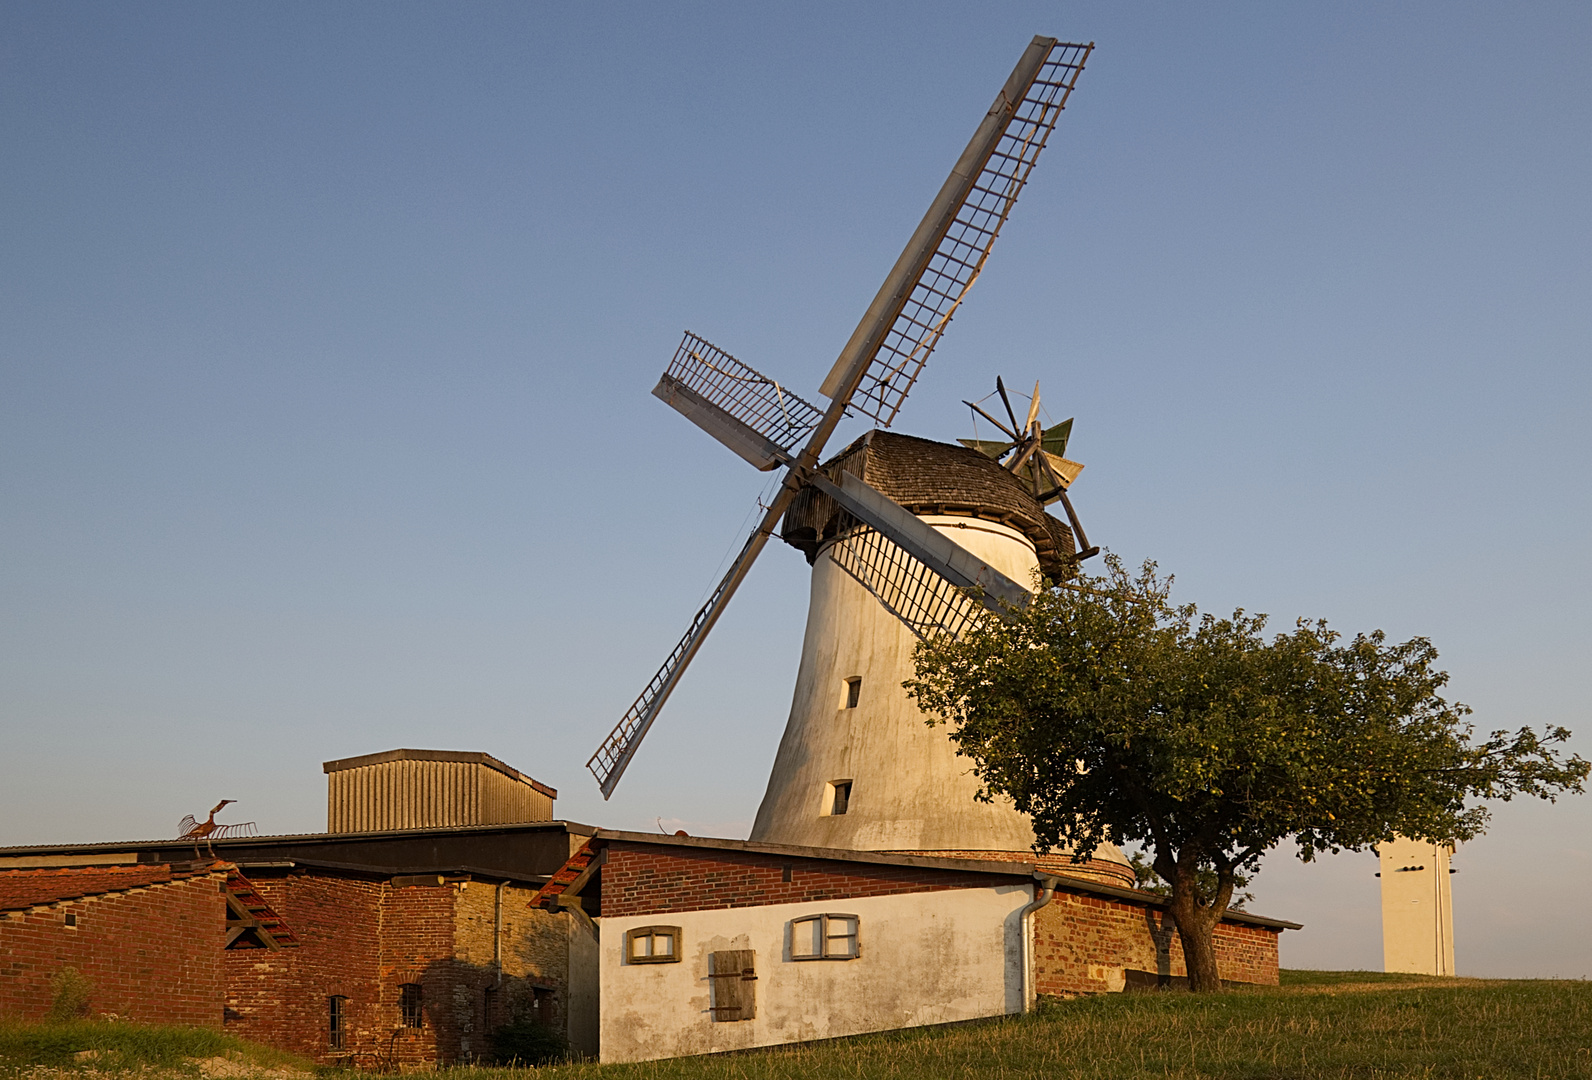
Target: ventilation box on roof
<point>428,789</point>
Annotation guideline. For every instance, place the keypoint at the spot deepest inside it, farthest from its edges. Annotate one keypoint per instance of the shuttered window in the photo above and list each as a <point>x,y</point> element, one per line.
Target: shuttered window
<point>733,974</point>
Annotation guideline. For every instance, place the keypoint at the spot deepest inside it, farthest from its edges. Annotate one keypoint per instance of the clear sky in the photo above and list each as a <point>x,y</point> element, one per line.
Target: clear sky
<point>327,333</point>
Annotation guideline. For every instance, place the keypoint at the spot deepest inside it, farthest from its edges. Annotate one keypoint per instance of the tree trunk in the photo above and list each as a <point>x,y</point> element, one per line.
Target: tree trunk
<point>1196,921</point>
<point>1196,929</point>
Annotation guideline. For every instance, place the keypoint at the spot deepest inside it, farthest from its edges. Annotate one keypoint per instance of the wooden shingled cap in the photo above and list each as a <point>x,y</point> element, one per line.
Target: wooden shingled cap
<point>930,477</point>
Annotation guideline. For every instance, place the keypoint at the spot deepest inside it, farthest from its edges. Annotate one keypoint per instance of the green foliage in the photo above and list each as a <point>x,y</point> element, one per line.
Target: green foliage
<point>524,1041</point>
<point>1104,711</point>
<point>70,994</point>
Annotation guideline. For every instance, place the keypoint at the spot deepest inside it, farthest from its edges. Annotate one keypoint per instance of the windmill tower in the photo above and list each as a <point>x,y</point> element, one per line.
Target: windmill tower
<point>884,571</point>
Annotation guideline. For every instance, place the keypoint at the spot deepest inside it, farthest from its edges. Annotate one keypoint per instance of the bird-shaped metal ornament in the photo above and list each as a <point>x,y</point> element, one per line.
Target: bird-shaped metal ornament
<point>190,828</point>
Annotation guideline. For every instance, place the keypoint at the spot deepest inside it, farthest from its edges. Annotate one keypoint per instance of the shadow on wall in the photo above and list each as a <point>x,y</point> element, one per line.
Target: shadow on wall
<point>1162,930</point>
<point>443,1012</point>
<point>474,1013</point>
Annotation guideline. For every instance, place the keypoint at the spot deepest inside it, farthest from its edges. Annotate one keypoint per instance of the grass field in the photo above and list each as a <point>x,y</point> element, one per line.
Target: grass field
<point>83,1047</point>
<point>1318,1025</point>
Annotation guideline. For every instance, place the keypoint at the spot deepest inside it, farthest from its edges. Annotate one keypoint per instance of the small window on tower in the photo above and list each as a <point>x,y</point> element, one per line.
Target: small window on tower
<point>838,796</point>
<point>853,691</point>
<point>409,1004</point>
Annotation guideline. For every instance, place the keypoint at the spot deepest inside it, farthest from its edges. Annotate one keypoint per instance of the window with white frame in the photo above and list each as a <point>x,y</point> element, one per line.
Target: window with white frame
<point>653,945</point>
<point>824,937</point>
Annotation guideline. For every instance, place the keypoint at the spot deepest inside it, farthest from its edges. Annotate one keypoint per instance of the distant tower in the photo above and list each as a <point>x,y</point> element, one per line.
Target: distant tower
<point>858,768</point>
<point>1417,908</point>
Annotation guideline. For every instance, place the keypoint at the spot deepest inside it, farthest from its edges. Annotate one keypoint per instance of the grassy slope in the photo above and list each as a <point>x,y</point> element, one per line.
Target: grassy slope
<point>1363,1025</point>
<point>1318,1025</point>
<point>123,1046</point>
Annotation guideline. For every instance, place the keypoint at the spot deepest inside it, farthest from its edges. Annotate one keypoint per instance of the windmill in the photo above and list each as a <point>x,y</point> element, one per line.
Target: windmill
<point>918,573</point>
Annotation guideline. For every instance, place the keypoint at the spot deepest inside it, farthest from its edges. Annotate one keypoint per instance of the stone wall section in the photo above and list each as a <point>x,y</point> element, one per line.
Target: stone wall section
<point>152,954</point>
<point>1104,871</point>
<point>1086,944</point>
<point>535,964</point>
<point>642,879</point>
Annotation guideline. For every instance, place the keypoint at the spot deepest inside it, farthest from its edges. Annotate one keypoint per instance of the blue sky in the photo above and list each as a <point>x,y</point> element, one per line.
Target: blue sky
<point>327,334</point>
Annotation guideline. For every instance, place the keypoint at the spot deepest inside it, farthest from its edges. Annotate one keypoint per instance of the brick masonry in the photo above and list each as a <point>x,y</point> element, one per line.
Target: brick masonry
<point>642,879</point>
<point>152,953</point>
<point>362,939</point>
<point>1083,944</point>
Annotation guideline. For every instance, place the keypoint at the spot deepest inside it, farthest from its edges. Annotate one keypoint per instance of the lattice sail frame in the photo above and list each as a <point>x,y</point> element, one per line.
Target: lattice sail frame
<point>925,602</point>
<point>746,394</point>
<point>959,258</point>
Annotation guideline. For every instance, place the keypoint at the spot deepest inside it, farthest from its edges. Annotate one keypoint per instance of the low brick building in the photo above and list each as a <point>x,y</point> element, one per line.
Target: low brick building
<point>711,945</point>
<point>407,946</point>
<point>383,949</point>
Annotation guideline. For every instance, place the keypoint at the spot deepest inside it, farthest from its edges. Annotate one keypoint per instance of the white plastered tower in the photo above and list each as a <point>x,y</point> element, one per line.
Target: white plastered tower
<point>1417,907</point>
<point>855,742</point>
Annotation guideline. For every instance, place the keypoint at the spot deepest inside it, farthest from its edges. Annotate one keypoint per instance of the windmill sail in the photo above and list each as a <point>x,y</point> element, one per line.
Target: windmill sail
<point>608,764</point>
<point>923,600</point>
<point>748,412</point>
<point>947,253</point>
<point>960,568</point>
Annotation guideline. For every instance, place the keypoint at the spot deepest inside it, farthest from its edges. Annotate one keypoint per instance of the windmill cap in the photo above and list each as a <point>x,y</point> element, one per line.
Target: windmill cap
<point>929,477</point>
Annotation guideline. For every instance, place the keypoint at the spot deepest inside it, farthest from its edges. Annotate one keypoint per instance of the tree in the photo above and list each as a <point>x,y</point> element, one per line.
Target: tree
<point>1104,711</point>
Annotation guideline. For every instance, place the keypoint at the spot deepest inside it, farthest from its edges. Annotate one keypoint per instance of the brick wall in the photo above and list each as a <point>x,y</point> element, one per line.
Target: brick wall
<point>641,879</point>
<point>1101,870</point>
<point>364,940</point>
<point>152,954</point>
<point>1083,944</point>
<point>281,997</point>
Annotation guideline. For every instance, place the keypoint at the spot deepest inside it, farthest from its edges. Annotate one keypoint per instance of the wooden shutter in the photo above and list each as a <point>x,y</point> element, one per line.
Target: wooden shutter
<point>733,973</point>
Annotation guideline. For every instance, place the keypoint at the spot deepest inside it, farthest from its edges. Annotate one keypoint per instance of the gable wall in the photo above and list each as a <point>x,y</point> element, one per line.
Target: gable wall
<point>151,954</point>
<point>924,957</point>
